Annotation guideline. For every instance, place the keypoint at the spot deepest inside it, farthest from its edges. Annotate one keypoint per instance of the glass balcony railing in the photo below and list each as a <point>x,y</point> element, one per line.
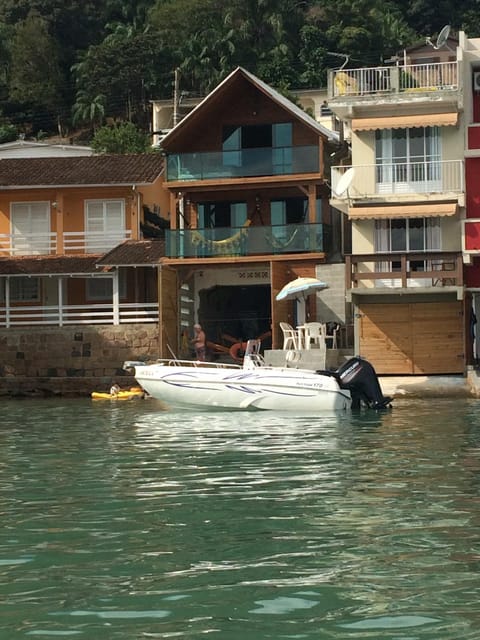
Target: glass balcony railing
<point>246,241</point>
<point>264,161</point>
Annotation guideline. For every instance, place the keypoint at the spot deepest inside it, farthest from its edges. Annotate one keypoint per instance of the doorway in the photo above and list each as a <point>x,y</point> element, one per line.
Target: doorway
<point>236,312</point>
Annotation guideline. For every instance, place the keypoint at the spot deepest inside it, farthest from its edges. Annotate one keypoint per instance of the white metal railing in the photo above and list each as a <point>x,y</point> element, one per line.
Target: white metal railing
<point>32,244</point>
<point>377,180</point>
<point>60,315</point>
<point>93,241</point>
<point>395,79</point>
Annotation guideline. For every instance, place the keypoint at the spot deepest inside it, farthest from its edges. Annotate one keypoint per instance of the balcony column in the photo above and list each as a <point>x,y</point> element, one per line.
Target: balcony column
<point>116,298</point>
<point>312,203</point>
<point>60,301</point>
<point>321,164</point>
<point>136,210</point>
<point>57,208</point>
<point>7,302</point>
<point>173,210</point>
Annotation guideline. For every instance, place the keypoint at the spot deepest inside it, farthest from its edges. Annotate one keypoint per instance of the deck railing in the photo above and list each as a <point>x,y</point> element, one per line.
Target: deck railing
<point>404,270</point>
<point>246,240</point>
<point>243,163</point>
<point>436,76</point>
<point>415,177</point>
<point>61,315</point>
<point>33,244</point>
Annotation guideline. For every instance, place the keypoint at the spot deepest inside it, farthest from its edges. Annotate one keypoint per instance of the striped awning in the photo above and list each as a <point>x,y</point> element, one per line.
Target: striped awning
<point>405,122</point>
<point>403,211</point>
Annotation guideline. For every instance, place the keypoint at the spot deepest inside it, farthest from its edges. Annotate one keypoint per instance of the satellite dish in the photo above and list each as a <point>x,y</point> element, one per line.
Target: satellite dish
<point>441,38</point>
<point>345,181</point>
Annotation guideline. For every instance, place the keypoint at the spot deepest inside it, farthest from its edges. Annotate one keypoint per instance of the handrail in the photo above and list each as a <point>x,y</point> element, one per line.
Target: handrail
<point>427,269</point>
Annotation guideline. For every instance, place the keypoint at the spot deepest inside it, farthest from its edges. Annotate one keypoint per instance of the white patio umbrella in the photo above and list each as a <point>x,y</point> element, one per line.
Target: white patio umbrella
<point>298,290</point>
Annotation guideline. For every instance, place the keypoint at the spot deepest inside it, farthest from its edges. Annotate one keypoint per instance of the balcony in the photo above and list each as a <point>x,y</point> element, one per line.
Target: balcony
<point>384,272</point>
<point>264,161</point>
<point>247,241</point>
<point>380,181</point>
<point>33,244</point>
<point>437,82</point>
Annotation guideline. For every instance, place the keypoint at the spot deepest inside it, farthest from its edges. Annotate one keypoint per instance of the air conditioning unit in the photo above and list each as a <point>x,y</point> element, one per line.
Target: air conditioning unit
<point>476,80</point>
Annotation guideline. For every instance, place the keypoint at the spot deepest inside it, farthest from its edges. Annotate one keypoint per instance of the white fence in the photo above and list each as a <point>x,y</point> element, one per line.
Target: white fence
<point>124,313</point>
<point>33,244</point>
<point>395,79</point>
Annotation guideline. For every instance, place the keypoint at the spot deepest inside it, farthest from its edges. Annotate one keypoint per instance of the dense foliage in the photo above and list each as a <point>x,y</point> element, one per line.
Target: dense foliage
<point>73,65</point>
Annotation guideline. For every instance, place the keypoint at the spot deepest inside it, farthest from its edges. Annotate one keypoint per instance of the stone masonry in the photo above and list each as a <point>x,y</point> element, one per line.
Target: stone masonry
<point>71,361</point>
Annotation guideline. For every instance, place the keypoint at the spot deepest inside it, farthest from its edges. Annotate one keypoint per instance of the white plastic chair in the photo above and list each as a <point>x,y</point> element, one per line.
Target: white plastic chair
<point>314,333</point>
<point>289,336</point>
<point>331,334</point>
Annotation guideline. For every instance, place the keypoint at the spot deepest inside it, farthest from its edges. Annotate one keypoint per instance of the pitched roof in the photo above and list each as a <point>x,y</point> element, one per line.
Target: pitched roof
<point>274,95</point>
<point>47,265</point>
<point>134,253</point>
<point>95,170</point>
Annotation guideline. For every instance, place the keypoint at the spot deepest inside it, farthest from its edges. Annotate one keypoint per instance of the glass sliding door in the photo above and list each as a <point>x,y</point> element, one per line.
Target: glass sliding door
<point>410,235</point>
<point>408,160</point>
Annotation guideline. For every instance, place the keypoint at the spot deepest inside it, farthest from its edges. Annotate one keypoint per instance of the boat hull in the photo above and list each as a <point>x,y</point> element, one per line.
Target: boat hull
<point>262,388</point>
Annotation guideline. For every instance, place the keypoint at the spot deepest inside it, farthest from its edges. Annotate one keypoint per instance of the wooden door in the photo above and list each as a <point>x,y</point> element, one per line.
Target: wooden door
<point>406,339</point>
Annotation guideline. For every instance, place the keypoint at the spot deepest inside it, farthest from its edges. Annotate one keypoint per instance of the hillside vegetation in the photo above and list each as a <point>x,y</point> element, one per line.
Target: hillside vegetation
<point>74,65</point>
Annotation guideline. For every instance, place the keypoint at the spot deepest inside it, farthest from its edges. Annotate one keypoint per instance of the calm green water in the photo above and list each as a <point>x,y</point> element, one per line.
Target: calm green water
<point>123,521</point>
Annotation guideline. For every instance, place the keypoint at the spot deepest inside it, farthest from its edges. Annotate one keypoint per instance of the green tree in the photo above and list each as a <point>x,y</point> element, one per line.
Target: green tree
<point>88,109</point>
<point>120,138</point>
<point>35,77</point>
<point>8,133</point>
<point>127,69</point>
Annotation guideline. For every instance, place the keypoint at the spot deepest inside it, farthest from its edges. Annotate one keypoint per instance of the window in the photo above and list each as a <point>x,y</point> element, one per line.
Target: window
<point>222,216</point>
<point>264,149</point>
<point>285,215</point>
<point>104,224</point>
<point>30,228</point>
<point>102,288</point>
<point>409,235</point>
<point>408,160</point>
<point>22,289</point>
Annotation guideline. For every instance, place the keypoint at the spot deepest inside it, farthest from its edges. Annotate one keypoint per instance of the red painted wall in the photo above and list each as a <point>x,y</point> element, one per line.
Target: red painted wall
<point>472,187</point>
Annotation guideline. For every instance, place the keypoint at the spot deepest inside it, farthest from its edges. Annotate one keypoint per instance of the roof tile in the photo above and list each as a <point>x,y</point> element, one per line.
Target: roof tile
<point>142,168</point>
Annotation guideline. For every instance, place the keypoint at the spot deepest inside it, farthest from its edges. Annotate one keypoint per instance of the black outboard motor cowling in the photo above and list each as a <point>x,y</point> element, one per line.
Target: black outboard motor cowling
<point>360,378</point>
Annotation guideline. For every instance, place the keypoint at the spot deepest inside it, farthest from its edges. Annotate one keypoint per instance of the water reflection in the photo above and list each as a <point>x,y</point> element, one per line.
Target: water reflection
<point>129,522</point>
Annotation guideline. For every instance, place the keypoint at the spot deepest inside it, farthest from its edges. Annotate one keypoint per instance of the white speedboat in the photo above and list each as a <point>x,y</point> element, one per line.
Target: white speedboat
<point>255,385</point>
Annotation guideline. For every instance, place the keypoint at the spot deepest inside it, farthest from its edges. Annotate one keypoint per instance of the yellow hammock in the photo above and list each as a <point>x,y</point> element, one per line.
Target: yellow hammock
<point>224,247</point>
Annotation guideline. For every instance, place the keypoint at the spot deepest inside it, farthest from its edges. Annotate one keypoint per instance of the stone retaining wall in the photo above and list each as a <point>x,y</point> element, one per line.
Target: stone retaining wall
<point>71,361</point>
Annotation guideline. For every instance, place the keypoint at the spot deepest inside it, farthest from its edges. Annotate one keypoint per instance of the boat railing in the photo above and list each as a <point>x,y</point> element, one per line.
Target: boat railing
<point>175,362</point>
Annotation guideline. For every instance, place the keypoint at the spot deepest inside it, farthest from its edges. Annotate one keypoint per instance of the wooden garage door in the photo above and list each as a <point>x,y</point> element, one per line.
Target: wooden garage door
<point>420,338</point>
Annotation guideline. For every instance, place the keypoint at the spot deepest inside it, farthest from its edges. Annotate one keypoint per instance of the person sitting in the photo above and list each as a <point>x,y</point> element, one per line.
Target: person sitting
<point>114,389</point>
<point>199,342</point>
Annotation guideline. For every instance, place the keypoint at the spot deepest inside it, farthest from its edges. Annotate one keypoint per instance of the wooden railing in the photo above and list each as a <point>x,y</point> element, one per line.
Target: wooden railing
<point>404,270</point>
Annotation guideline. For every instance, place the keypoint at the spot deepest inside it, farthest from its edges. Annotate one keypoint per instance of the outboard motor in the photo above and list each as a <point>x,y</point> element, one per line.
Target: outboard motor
<point>359,377</point>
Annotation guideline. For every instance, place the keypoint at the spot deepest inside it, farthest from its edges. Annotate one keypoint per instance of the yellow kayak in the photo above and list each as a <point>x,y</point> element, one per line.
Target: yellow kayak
<point>134,392</point>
